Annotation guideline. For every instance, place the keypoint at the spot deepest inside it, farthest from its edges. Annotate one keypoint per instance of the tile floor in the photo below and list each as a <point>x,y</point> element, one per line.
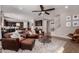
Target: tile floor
<point>56,46</point>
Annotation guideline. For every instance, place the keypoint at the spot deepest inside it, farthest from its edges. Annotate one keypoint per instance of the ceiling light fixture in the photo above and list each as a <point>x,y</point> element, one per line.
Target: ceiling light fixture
<point>66,6</point>
<point>42,12</point>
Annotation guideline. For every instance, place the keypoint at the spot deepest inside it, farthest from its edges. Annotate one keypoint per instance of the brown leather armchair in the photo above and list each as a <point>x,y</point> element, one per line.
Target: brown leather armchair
<point>10,43</point>
<point>76,35</point>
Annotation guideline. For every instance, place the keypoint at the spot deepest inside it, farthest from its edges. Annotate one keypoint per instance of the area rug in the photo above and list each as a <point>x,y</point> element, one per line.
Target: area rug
<point>55,46</point>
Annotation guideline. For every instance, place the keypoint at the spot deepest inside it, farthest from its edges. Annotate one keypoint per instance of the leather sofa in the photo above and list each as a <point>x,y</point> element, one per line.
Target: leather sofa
<point>10,43</point>
<point>7,35</point>
<point>34,36</point>
<point>75,35</point>
<point>15,44</point>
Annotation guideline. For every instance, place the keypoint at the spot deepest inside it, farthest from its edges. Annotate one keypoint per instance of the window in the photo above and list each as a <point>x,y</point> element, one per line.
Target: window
<point>38,23</point>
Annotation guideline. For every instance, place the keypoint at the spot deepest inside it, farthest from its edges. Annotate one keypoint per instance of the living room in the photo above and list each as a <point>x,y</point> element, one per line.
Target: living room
<point>42,28</point>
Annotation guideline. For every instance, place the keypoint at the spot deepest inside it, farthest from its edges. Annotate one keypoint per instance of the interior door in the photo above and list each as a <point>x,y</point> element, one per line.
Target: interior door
<point>50,26</point>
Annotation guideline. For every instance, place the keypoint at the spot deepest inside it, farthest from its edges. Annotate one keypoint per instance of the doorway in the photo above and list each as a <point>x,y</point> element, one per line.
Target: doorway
<point>50,26</point>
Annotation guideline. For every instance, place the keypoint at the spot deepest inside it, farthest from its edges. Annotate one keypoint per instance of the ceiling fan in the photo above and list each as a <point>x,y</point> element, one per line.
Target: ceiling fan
<point>43,10</point>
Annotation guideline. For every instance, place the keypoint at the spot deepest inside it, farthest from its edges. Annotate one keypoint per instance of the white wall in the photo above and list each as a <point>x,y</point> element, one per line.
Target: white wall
<point>63,30</point>
<point>45,26</point>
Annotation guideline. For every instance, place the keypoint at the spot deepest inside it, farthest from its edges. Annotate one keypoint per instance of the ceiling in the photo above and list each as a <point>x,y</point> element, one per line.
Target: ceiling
<point>24,12</point>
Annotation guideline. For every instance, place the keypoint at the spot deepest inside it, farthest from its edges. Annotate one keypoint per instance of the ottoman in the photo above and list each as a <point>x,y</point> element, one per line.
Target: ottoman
<point>27,44</point>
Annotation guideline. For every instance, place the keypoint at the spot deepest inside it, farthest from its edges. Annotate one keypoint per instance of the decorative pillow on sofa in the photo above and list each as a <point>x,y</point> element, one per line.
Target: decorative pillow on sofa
<point>15,35</point>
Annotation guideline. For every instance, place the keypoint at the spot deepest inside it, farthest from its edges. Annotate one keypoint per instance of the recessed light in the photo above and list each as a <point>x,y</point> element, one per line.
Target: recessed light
<point>66,6</point>
<point>20,8</point>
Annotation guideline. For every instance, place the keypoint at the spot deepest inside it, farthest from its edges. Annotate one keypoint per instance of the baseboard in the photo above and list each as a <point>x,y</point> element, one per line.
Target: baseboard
<point>61,36</point>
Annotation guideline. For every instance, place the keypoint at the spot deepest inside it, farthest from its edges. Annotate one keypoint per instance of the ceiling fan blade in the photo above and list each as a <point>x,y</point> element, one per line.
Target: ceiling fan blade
<point>50,9</point>
<point>36,11</point>
<point>39,14</point>
<point>47,13</point>
<point>42,8</point>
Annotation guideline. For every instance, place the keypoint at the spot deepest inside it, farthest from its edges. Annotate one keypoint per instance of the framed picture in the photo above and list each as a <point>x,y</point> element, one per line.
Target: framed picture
<point>76,17</point>
<point>68,18</point>
<point>68,24</point>
<point>75,23</point>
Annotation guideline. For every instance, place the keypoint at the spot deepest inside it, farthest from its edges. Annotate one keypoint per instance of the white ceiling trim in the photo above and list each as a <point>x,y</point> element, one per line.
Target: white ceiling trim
<point>16,17</point>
